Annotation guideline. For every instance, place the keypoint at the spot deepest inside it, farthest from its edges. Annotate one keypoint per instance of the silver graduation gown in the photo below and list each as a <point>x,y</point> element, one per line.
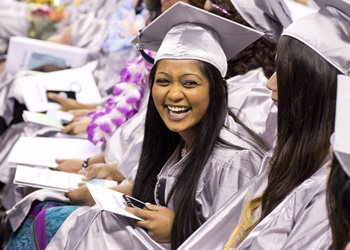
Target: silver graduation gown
<point>129,138</point>
<point>251,101</point>
<point>125,136</point>
<point>90,25</point>
<point>18,212</point>
<point>89,30</point>
<point>13,16</point>
<point>299,222</point>
<point>225,173</point>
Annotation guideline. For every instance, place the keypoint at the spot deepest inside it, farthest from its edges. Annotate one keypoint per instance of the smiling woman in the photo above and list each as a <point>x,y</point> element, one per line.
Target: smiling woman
<point>195,153</point>
<point>181,98</point>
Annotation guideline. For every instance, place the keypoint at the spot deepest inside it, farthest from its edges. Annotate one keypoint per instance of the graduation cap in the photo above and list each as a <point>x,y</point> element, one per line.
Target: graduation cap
<point>268,16</point>
<point>187,32</point>
<point>341,138</point>
<point>327,32</point>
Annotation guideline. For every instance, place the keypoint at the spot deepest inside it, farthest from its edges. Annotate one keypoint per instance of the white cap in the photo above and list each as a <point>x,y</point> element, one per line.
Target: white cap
<point>268,16</point>
<point>327,32</point>
<point>187,32</point>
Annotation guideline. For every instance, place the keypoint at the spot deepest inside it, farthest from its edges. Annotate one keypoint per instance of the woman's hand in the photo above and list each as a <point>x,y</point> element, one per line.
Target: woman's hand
<point>65,37</point>
<point>102,171</point>
<point>80,196</point>
<point>66,103</point>
<point>157,219</point>
<point>77,127</point>
<point>80,113</point>
<point>69,165</point>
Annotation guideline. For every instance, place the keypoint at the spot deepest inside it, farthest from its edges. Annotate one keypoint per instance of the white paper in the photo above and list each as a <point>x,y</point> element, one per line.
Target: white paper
<point>79,80</point>
<point>110,200</point>
<point>56,180</point>
<point>59,115</point>
<point>42,151</point>
<point>27,53</point>
<point>40,118</point>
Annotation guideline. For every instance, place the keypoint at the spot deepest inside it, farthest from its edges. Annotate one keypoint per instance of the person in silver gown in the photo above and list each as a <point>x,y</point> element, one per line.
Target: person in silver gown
<point>285,204</point>
<point>191,173</point>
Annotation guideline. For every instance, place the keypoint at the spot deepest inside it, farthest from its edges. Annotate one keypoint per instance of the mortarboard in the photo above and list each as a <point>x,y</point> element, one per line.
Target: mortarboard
<point>268,16</point>
<point>187,32</point>
<point>327,32</point>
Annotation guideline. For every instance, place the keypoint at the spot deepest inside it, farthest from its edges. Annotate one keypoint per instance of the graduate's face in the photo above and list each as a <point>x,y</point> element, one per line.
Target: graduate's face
<point>181,95</point>
<point>166,4</point>
<point>272,85</point>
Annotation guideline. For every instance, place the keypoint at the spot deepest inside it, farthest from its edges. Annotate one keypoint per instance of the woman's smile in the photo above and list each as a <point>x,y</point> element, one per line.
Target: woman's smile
<point>181,95</point>
<point>177,113</point>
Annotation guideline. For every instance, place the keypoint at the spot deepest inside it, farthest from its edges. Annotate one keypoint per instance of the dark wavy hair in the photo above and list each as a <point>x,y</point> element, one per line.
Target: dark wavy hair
<point>261,53</point>
<point>307,86</point>
<point>160,143</point>
<point>197,3</point>
<point>338,203</point>
<point>154,7</point>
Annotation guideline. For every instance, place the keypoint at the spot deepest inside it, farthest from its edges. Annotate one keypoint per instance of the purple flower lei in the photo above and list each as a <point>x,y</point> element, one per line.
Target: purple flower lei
<point>124,102</point>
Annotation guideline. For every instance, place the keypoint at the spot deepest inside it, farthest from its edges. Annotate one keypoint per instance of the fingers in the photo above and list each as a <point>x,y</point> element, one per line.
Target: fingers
<point>88,174</point>
<point>59,161</point>
<point>98,170</point>
<point>153,207</point>
<point>79,113</point>
<point>55,97</point>
<point>142,213</point>
<point>81,184</point>
<point>76,127</point>
<point>68,129</point>
<point>80,196</point>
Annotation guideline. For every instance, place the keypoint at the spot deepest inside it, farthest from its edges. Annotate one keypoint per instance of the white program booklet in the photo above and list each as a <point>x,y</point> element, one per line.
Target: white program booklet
<point>40,118</point>
<point>110,200</point>
<point>80,81</point>
<point>56,180</point>
<point>42,151</point>
<point>53,118</point>
<point>27,53</point>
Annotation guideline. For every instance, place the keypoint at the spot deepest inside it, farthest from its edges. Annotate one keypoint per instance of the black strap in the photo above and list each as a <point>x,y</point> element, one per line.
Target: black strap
<point>161,192</point>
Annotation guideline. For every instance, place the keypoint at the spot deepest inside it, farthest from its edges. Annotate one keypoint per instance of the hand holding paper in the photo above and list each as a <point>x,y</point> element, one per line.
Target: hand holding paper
<point>110,200</point>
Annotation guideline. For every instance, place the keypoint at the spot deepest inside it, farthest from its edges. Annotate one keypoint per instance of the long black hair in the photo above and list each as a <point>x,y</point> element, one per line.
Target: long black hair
<point>307,86</point>
<point>338,203</point>
<point>159,144</point>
